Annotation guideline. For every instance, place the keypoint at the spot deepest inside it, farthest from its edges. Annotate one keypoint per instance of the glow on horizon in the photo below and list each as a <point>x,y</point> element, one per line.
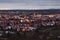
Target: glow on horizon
<point>4,8</point>
<point>31,7</point>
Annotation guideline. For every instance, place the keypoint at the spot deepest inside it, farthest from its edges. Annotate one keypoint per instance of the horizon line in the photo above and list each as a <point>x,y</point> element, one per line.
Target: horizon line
<point>26,8</point>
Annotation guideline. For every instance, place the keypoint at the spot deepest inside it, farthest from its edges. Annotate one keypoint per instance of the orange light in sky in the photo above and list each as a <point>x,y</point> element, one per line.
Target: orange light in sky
<point>4,8</point>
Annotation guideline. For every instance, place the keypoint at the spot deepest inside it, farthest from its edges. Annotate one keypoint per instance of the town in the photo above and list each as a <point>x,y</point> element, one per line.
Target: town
<point>35,26</point>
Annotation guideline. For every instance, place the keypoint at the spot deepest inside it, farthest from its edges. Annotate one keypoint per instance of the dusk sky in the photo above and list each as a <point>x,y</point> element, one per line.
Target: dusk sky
<point>30,4</point>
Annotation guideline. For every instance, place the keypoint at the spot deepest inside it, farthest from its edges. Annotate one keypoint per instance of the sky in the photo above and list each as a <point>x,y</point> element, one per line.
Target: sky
<point>29,4</point>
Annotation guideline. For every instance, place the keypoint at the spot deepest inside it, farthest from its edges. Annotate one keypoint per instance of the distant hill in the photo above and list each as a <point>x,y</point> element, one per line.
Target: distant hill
<point>45,11</point>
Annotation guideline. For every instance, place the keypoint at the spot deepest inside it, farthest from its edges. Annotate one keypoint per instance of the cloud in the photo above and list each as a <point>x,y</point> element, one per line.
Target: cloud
<point>20,6</point>
<point>30,4</point>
